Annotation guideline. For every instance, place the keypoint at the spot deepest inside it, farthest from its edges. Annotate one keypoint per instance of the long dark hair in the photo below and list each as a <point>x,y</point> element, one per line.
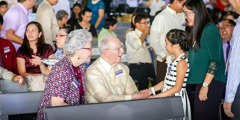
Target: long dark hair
<point>201,19</point>
<point>76,5</point>
<point>25,48</point>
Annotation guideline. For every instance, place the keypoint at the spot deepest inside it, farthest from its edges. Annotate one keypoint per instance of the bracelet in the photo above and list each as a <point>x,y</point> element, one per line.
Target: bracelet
<point>13,77</point>
<point>153,91</point>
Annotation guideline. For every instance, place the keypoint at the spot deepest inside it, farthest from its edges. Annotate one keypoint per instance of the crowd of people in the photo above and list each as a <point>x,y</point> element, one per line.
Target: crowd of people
<point>182,47</point>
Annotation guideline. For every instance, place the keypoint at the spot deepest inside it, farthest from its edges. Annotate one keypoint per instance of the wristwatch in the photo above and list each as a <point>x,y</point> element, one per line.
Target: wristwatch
<point>205,84</point>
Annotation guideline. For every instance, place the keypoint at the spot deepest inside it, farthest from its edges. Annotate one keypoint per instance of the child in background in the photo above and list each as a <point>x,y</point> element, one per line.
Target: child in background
<point>177,73</point>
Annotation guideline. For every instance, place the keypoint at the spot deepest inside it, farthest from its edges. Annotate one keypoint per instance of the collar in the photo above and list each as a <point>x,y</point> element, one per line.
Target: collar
<point>48,4</point>
<point>105,64</point>
<point>138,32</point>
<point>23,8</point>
<point>238,21</point>
<point>173,12</point>
<point>224,41</point>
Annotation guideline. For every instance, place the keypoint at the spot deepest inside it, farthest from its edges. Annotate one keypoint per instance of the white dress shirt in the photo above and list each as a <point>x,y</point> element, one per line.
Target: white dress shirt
<point>156,6</point>
<point>165,21</point>
<point>62,5</point>
<point>136,50</point>
<point>233,79</point>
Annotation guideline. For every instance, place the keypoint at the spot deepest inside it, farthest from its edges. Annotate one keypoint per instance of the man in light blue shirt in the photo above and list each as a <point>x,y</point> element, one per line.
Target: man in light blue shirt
<point>232,96</point>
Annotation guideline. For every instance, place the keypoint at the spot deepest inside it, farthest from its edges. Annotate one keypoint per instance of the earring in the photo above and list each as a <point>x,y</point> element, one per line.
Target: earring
<point>39,36</point>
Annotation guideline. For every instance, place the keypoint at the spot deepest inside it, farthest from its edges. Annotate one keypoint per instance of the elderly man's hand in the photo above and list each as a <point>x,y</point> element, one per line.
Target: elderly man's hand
<point>146,91</point>
<point>140,95</point>
<point>227,109</point>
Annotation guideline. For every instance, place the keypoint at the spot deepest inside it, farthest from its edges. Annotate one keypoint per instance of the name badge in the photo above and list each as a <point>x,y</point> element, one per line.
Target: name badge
<point>184,24</point>
<point>6,49</point>
<point>75,83</point>
<point>119,73</point>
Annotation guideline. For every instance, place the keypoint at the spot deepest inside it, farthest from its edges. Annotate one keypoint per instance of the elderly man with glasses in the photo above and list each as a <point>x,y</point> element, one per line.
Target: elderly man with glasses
<point>107,78</point>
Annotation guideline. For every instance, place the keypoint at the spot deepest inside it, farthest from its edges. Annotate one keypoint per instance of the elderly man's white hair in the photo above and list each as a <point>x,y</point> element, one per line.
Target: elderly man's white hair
<point>104,42</point>
<point>76,40</point>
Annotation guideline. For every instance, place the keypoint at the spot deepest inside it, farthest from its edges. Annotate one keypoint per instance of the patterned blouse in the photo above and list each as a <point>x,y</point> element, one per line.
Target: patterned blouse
<point>59,54</point>
<point>60,83</point>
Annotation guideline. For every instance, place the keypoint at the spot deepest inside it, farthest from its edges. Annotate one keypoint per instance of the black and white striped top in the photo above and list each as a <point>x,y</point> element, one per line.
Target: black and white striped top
<point>171,75</point>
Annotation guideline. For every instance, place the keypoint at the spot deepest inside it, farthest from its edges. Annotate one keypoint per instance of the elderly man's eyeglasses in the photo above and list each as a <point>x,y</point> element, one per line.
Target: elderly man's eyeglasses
<point>188,13</point>
<point>122,46</point>
<point>60,35</point>
<point>90,49</point>
<point>225,26</point>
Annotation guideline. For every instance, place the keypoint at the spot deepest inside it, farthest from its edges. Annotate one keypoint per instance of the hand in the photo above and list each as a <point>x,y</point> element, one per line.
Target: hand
<point>163,59</point>
<point>35,60</point>
<point>203,93</point>
<point>19,79</point>
<point>147,30</point>
<point>140,95</point>
<point>146,91</point>
<point>227,109</point>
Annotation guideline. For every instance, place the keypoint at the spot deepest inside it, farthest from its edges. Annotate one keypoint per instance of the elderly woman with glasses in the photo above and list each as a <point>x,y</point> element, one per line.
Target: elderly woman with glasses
<point>66,82</point>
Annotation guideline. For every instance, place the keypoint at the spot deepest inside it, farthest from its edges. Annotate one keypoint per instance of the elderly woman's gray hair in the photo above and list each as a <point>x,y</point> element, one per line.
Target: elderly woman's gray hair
<point>61,14</point>
<point>103,44</point>
<point>76,40</point>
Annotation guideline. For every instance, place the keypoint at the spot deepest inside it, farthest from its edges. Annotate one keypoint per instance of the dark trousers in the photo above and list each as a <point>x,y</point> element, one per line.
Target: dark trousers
<point>209,109</point>
<point>161,71</point>
<point>236,105</point>
<point>141,72</point>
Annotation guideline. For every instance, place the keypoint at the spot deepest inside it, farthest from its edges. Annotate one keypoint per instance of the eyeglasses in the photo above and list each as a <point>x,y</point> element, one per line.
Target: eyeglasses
<point>225,26</point>
<point>122,46</point>
<point>60,35</point>
<point>90,49</point>
<point>188,13</point>
<point>144,22</point>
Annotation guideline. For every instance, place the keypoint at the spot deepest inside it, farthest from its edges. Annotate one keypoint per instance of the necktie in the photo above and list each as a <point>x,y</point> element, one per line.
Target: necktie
<point>149,50</point>
<point>227,50</point>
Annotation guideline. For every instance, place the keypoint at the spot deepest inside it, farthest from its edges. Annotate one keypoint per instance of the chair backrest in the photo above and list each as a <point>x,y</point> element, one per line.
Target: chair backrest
<point>145,109</point>
<point>12,87</point>
<point>19,103</point>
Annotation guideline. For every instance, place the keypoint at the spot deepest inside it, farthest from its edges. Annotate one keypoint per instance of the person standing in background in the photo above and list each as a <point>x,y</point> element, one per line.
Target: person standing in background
<point>232,96</point>
<point>15,22</point>
<point>3,7</point>
<point>97,7</point>
<point>154,6</point>
<point>62,5</point>
<point>226,28</point>
<point>46,17</point>
<point>170,18</point>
